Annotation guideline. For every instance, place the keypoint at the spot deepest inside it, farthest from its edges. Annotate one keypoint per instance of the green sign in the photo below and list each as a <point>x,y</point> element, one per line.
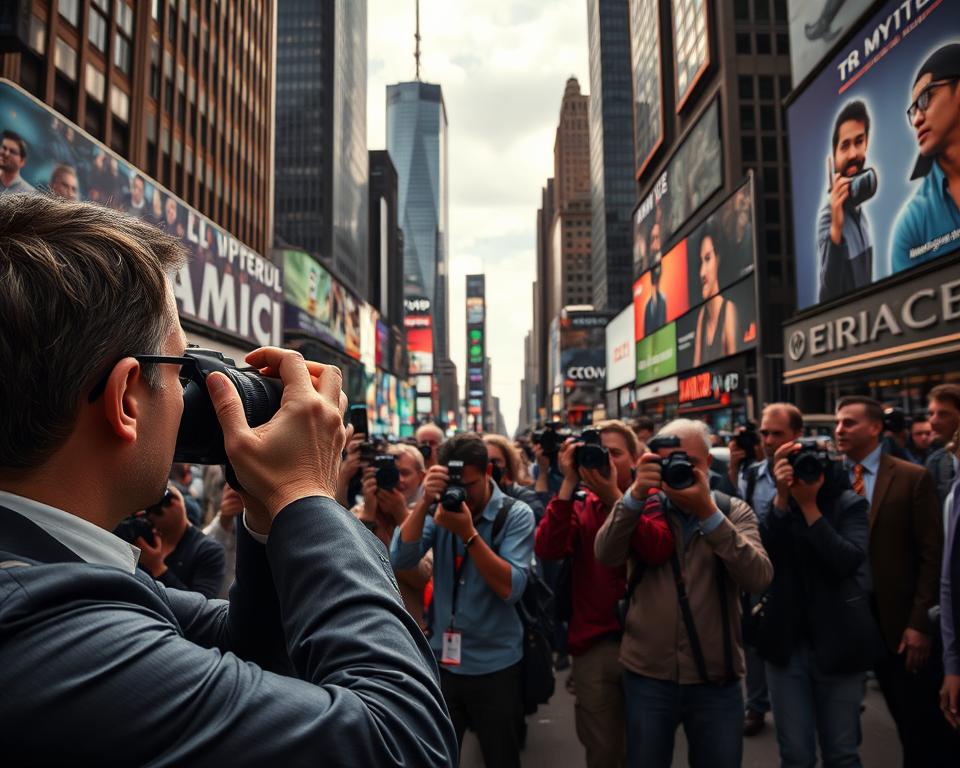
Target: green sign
<point>657,355</point>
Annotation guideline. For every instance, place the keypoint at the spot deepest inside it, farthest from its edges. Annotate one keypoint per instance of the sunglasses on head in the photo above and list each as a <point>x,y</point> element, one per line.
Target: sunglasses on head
<point>166,501</point>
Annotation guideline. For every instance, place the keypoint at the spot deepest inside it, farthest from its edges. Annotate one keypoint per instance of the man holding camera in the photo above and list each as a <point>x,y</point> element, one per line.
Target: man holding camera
<point>681,646</point>
<point>843,232</point>
<point>906,543</point>
<point>569,530</point>
<point>477,580</point>
<point>815,627</point>
<point>100,664</point>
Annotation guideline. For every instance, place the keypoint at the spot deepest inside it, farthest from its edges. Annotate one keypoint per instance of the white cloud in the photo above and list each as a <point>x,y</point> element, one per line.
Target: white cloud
<point>503,67</point>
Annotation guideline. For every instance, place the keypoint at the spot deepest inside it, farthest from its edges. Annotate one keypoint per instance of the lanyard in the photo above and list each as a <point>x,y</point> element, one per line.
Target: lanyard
<point>457,570</point>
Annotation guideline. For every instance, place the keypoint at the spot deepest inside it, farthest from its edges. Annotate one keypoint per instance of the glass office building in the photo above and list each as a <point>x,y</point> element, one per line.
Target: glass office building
<point>417,143</point>
<point>321,186</point>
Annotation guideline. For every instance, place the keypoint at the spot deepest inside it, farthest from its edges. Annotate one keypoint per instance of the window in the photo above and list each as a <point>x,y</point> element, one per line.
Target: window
<point>119,104</point>
<point>155,68</point>
<point>766,88</point>
<point>741,10</point>
<point>70,10</point>
<point>38,35</point>
<point>65,59</point>
<point>97,30</point>
<point>122,52</point>
<point>155,9</point>
<point>743,43</point>
<point>745,87</point>
<point>124,18</point>
<point>95,82</point>
<point>761,10</point>
<point>764,45</point>
<point>93,121</point>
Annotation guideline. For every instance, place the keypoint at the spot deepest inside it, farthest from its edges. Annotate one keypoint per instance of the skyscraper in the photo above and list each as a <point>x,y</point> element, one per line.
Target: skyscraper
<point>612,184</point>
<point>321,134</point>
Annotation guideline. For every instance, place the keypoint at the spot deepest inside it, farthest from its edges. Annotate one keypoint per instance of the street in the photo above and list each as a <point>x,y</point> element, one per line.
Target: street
<point>552,739</point>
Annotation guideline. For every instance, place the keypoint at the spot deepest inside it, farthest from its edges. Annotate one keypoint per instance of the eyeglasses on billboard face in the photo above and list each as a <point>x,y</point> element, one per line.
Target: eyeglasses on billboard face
<point>922,102</point>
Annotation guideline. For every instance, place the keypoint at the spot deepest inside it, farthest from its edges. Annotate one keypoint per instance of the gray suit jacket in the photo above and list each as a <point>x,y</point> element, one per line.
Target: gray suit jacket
<point>313,661</point>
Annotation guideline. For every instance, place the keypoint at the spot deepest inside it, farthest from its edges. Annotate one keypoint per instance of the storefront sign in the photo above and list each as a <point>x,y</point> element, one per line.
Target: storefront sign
<point>660,388</point>
<point>910,321</point>
<point>717,385</point>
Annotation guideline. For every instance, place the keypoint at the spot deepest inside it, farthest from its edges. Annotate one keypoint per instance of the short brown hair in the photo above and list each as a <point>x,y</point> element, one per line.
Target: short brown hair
<point>509,452</point>
<point>467,447</point>
<point>628,435</point>
<point>81,286</point>
<point>872,408</point>
<point>946,393</point>
<point>794,415</point>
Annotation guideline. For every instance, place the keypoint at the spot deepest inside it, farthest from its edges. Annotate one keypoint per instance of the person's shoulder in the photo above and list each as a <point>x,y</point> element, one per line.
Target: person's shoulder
<point>902,467</point>
<point>520,511</point>
<point>740,512</point>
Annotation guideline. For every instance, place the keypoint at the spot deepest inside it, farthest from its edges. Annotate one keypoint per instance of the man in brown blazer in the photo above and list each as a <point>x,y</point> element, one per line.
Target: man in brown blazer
<point>906,544</point>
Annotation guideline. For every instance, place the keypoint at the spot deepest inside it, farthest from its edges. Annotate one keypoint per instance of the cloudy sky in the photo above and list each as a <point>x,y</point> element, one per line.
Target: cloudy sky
<point>502,66</point>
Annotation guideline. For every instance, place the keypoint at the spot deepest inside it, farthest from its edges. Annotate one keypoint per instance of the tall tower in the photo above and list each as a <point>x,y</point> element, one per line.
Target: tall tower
<point>612,185</point>
<point>322,170</point>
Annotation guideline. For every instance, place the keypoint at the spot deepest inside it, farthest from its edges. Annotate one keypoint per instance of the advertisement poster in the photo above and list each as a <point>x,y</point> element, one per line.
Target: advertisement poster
<point>872,200</point>
<point>657,355</point>
<point>647,79</point>
<point>583,359</point>
<point>314,300</point>
<point>621,350</point>
<point>723,326</point>
<point>691,45</point>
<point>693,174</point>
<point>419,343</point>
<point>815,27</point>
<point>661,294</point>
<point>224,284</point>
<point>351,333</point>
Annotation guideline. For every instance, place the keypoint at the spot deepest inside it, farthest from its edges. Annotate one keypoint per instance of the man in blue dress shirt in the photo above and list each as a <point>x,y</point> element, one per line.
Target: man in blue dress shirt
<point>474,628</point>
<point>929,225</point>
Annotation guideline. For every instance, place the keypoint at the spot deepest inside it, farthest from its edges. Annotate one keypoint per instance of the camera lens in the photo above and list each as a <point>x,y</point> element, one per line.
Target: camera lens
<point>677,471</point>
<point>453,498</point>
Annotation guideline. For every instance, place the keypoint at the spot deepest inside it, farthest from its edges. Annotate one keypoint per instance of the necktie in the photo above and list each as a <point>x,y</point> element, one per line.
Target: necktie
<point>858,484</point>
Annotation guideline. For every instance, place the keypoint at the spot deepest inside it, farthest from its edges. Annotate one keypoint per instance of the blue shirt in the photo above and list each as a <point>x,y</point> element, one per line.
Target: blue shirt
<point>929,226</point>
<point>491,632</point>
<point>871,465</point>
<point>764,489</point>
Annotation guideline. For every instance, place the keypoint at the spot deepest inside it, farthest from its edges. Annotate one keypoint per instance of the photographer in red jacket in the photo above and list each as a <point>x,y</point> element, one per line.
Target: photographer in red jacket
<point>568,530</point>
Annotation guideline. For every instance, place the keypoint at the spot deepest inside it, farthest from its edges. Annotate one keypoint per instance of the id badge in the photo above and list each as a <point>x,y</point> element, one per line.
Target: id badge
<point>451,648</point>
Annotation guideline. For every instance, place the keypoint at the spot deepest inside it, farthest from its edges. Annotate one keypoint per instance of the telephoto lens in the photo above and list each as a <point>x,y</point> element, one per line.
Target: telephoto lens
<point>387,473</point>
<point>455,495</point>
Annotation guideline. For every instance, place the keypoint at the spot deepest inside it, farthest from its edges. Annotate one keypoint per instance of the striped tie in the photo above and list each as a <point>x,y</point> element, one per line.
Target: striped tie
<point>858,485</point>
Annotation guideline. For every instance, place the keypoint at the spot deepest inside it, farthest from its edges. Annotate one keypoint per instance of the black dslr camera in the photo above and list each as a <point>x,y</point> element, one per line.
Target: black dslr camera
<point>810,462</point>
<point>387,473</point>
<point>747,440</point>
<point>135,526</point>
<point>200,440</point>
<point>894,420</point>
<point>591,454</point>
<point>549,438</point>
<point>456,494</point>
<point>676,470</point>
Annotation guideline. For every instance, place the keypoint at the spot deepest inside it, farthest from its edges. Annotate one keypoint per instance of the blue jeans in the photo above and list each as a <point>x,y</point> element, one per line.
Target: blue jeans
<point>712,718</point>
<point>808,705</point>
<point>758,697</point>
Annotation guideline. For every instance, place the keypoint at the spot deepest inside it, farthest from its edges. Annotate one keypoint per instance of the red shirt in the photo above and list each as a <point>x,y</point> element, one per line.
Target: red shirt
<point>569,529</point>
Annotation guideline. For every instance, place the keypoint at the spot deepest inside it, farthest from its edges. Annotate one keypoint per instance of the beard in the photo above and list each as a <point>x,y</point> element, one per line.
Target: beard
<point>854,165</point>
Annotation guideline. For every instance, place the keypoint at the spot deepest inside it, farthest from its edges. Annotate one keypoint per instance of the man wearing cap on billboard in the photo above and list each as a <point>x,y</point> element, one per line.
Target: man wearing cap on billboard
<point>844,244</point>
<point>931,220</point>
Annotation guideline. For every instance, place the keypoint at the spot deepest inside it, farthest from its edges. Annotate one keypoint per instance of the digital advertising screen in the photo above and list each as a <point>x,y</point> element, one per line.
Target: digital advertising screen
<point>647,79</point>
<point>723,326</point>
<point>657,355</point>
<point>661,295</point>
<point>419,343</point>
<point>870,133</point>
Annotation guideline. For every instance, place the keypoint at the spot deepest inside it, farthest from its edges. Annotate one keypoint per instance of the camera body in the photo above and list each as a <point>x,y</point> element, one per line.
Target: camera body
<point>550,438</point>
<point>455,495</point>
<point>200,439</point>
<point>747,440</point>
<point>863,186</point>
<point>135,526</point>
<point>810,462</point>
<point>388,476</point>
<point>894,420</point>
<point>591,454</point>
<point>676,470</point>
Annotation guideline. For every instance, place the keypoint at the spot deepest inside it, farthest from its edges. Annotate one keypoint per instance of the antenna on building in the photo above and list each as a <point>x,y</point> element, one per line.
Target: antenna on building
<point>416,53</point>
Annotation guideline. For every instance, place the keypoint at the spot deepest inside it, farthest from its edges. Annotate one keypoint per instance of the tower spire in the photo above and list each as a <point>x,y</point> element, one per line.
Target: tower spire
<point>416,53</point>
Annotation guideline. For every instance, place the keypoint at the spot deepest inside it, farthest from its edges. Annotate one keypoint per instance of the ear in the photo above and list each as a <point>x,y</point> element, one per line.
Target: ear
<point>120,402</point>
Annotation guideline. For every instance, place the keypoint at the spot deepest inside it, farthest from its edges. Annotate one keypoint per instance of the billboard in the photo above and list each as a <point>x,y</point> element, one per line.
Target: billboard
<point>317,305</point>
<point>647,80</point>
<point>621,350</point>
<point>691,45</point>
<point>722,326</point>
<point>716,254</point>
<point>657,355</point>
<point>693,174</point>
<point>476,344</point>
<point>224,285</point>
<point>583,359</point>
<point>871,201</point>
<point>815,27</point>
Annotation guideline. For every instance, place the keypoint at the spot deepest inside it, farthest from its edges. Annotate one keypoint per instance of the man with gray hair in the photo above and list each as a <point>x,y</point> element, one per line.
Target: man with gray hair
<point>682,650</point>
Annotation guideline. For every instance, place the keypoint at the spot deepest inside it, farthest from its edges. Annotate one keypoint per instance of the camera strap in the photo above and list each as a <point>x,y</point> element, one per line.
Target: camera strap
<point>457,570</point>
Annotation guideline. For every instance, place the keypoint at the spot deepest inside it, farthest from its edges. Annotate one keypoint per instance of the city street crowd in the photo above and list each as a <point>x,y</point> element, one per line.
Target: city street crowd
<point>319,594</point>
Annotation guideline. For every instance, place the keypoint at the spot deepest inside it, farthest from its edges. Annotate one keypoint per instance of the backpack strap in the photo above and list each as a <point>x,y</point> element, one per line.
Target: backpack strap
<point>752,475</point>
<point>500,520</point>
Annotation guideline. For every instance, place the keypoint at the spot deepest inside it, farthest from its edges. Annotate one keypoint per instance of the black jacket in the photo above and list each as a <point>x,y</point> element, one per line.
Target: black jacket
<point>940,465</point>
<point>815,569</point>
<point>197,564</point>
<point>314,660</point>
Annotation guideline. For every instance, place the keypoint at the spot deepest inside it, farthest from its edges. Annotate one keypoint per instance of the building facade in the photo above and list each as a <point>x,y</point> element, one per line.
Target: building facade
<point>613,189</point>
<point>385,267</point>
<point>182,90</point>
<point>321,135</point>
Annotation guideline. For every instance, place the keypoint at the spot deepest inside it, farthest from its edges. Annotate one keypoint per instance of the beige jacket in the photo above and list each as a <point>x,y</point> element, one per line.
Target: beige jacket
<point>655,643</point>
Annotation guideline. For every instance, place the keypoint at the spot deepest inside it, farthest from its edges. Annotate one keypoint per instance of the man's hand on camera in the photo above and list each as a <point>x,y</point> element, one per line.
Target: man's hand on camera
<point>568,469</point>
<point>297,453</point>
<point>647,478</point>
<point>435,483</point>
<point>151,558</point>
<point>695,500</point>
<point>543,461</point>
<point>459,523</point>
<point>369,487</point>
<point>783,474</point>
<point>737,456</point>
<point>604,485</point>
